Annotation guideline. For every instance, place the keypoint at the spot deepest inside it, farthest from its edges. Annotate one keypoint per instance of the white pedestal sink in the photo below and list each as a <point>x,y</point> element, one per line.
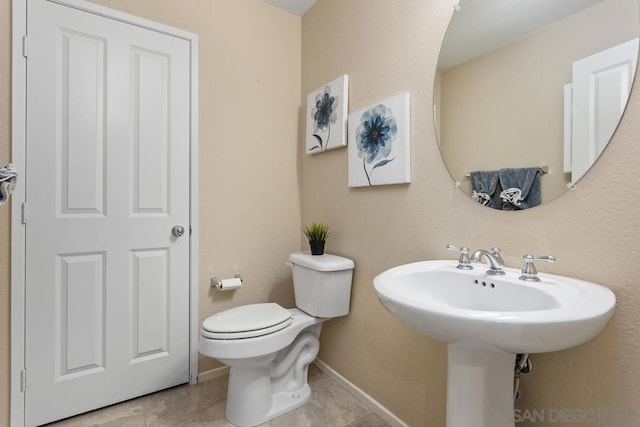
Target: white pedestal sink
<point>486,320</point>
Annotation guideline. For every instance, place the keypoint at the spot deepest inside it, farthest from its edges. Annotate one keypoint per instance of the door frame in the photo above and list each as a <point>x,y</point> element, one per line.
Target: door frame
<point>18,154</point>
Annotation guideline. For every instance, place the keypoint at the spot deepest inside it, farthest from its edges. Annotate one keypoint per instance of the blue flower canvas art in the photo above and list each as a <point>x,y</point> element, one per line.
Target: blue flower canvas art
<point>327,116</point>
<point>379,152</point>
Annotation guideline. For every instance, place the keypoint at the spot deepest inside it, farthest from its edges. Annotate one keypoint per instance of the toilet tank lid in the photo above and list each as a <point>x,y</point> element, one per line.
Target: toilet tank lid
<point>326,262</point>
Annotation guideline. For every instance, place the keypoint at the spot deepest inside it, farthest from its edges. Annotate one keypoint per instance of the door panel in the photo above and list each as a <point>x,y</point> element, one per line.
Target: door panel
<point>80,307</point>
<point>150,283</point>
<point>83,120</point>
<point>150,97</point>
<point>107,284</point>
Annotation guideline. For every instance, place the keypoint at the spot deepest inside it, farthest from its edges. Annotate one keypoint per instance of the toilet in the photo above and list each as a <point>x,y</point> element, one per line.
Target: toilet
<point>269,348</point>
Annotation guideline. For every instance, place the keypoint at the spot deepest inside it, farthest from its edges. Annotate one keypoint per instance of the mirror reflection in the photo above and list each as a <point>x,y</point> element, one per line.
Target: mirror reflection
<point>528,93</point>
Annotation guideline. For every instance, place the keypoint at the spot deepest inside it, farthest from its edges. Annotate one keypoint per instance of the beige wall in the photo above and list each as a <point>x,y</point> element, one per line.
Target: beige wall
<point>249,191</point>
<point>505,108</point>
<point>249,100</point>
<point>390,47</point>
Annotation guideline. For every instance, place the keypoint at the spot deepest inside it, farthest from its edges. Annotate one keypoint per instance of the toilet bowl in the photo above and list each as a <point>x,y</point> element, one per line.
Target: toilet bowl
<point>269,348</point>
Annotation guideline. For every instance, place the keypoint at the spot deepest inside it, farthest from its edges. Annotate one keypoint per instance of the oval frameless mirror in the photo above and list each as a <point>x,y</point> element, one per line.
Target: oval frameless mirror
<point>528,93</point>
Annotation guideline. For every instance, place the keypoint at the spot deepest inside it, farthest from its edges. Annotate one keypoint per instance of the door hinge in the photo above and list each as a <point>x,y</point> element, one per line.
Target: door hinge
<point>25,212</point>
<point>190,230</point>
<point>23,380</point>
<point>24,45</point>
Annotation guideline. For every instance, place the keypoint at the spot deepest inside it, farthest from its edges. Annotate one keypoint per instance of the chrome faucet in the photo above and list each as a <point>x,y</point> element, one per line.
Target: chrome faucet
<point>493,260</point>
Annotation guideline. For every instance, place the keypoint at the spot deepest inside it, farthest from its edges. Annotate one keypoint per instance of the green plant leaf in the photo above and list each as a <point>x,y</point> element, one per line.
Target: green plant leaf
<point>316,232</point>
<point>318,138</point>
<point>382,163</point>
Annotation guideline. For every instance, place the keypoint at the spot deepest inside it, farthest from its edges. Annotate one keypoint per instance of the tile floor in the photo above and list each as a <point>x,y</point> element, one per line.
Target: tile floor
<point>203,405</point>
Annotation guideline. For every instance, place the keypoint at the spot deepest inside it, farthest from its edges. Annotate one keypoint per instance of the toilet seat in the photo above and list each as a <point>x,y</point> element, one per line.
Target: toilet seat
<point>227,350</point>
<point>247,321</point>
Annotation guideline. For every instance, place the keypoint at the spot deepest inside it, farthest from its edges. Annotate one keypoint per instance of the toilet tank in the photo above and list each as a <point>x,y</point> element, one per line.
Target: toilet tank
<point>322,283</point>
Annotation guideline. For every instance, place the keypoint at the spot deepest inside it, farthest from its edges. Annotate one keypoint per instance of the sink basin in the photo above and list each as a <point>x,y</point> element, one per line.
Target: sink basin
<point>503,312</point>
<point>486,320</point>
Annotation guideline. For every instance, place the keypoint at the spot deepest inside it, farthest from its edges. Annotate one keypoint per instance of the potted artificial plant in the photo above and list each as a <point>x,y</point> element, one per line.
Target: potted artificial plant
<point>316,233</point>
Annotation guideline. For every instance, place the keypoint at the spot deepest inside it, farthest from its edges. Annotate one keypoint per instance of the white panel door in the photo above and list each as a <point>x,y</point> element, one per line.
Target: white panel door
<point>107,283</point>
<point>601,87</point>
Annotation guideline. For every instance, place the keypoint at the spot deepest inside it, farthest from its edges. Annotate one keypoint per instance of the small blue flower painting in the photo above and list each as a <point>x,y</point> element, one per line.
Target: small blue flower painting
<point>379,153</point>
<point>327,116</point>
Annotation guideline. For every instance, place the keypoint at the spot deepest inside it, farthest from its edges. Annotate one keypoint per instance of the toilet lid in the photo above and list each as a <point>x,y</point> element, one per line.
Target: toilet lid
<point>246,321</point>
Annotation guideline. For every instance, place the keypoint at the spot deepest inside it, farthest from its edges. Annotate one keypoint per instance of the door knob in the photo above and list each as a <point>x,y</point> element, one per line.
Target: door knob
<point>178,230</point>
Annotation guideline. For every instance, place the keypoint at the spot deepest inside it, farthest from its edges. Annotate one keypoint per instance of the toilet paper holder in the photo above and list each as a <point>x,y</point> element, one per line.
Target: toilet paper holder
<point>217,283</point>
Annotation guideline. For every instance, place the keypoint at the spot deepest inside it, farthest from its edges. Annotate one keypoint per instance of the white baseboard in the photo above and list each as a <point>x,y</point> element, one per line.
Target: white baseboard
<point>363,397</point>
<point>222,371</point>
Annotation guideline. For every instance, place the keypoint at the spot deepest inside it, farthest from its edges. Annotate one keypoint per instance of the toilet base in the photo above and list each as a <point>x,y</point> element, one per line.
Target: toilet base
<point>287,401</point>
<point>284,402</point>
<point>272,385</point>
<point>250,402</point>
<point>268,375</point>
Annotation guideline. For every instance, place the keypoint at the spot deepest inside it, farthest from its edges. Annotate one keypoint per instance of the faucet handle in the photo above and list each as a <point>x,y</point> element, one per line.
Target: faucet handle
<point>529,271</point>
<point>463,262</point>
<point>496,254</point>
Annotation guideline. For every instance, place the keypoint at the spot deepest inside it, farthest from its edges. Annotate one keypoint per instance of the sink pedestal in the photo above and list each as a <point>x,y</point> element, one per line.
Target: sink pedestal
<point>479,387</point>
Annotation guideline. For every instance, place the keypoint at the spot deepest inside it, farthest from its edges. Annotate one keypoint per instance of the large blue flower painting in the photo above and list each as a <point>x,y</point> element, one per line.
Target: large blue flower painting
<point>327,116</point>
<point>374,136</point>
<point>380,154</point>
